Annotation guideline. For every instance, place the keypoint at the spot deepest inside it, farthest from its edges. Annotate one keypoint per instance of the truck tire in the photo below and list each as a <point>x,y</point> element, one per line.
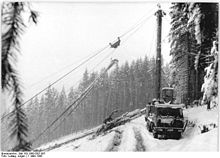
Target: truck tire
<point>155,134</point>
<point>177,135</point>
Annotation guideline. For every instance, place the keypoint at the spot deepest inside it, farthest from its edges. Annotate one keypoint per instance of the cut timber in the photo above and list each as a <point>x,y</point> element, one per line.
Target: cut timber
<point>126,117</point>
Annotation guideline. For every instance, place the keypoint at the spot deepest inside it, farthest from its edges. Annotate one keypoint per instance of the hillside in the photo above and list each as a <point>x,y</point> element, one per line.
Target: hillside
<point>133,136</point>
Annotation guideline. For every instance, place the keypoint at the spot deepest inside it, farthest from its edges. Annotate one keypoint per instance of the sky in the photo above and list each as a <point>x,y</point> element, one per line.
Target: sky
<point>66,33</point>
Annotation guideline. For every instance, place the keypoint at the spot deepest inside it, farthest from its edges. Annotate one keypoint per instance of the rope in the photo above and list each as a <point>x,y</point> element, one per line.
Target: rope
<point>77,105</point>
<point>62,69</point>
<point>139,21</point>
<point>91,70</point>
<point>82,63</point>
<point>83,98</point>
<point>78,100</point>
<point>141,24</point>
<point>74,102</point>
<point>75,85</point>
<point>60,115</point>
<point>134,26</point>
<point>74,108</point>
<point>138,27</point>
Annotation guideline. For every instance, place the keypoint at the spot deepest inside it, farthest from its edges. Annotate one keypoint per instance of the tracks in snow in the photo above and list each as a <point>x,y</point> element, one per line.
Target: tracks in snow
<point>139,140</point>
<point>116,141</point>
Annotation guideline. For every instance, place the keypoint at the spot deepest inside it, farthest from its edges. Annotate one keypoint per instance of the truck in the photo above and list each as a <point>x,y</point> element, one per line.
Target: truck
<point>164,118</point>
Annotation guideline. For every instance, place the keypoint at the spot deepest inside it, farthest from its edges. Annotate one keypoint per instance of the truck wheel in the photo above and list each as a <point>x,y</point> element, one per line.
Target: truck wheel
<point>155,134</point>
<point>177,135</point>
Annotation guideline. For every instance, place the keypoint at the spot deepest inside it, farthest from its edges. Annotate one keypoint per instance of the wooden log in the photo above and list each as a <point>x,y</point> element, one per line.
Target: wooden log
<point>126,117</point>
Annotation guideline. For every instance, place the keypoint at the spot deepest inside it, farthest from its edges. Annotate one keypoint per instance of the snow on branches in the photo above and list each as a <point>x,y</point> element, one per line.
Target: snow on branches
<point>210,85</point>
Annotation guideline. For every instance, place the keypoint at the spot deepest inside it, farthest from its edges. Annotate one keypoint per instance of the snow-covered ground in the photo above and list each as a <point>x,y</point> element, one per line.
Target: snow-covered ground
<point>133,136</point>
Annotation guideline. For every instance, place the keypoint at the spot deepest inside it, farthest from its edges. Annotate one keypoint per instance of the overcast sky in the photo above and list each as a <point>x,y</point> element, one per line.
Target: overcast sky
<point>68,32</point>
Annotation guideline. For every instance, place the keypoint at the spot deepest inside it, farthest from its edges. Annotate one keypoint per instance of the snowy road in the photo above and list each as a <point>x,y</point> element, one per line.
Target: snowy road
<point>133,136</point>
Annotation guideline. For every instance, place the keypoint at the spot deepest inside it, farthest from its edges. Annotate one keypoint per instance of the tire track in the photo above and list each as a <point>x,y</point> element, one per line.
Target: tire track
<point>116,141</point>
<point>139,140</point>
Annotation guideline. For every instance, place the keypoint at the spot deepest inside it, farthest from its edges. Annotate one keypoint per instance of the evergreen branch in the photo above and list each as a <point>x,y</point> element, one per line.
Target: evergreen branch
<point>13,27</point>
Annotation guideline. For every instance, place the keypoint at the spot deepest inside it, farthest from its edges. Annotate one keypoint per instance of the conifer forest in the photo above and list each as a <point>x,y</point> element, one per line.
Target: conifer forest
<point>192,72</point>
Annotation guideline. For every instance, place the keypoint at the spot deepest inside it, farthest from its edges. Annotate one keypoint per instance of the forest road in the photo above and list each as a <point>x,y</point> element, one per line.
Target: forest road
<point>116,141</point>
<point>139,140</point>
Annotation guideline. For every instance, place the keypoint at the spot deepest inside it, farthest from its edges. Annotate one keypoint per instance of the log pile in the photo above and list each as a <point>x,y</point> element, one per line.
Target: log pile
<point>101,129</point>
<point>126,117</point>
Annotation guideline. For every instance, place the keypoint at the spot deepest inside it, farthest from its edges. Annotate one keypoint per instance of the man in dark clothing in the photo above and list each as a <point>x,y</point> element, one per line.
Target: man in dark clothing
<point>116,44</point>
<point>109,118</point>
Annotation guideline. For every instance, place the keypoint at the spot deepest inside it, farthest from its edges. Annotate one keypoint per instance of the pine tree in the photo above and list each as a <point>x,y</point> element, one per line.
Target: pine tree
<point>132,86</point>
<point>12,28</point>
<point>62,106</point>
<point>41,120</point>
<point>183,47</point>
<point>204,18</point>
<point>93,101</point>
<point>114,78</point>
<point>71,121</point>
<point>35,114</point>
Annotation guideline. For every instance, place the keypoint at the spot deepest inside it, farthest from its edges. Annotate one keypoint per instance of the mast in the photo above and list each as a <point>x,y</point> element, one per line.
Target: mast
<point>159,14</point>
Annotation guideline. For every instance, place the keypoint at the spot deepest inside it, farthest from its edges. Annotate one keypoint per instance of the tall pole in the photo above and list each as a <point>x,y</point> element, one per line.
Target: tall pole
<point>159,14</point>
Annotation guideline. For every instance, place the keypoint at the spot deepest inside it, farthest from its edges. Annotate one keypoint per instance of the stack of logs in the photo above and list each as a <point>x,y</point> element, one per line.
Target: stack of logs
<point>102,129</point>
<point>126,117</point>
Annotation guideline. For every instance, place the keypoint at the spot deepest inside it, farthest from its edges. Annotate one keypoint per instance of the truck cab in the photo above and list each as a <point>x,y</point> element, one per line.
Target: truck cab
<point>165,118</point>
<point>168,94</point>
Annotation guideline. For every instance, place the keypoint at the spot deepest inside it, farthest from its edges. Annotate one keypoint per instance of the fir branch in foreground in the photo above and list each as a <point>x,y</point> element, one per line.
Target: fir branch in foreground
<point>12,29</point>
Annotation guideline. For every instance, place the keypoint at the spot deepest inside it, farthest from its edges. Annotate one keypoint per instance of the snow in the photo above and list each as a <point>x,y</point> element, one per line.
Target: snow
<point>66,138</point>
<point>203,142</point>
<point>128,140</point>
<point>192,139</point>
<point>210,85</point>
<point>201,115</point>
<point>85,144</point>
